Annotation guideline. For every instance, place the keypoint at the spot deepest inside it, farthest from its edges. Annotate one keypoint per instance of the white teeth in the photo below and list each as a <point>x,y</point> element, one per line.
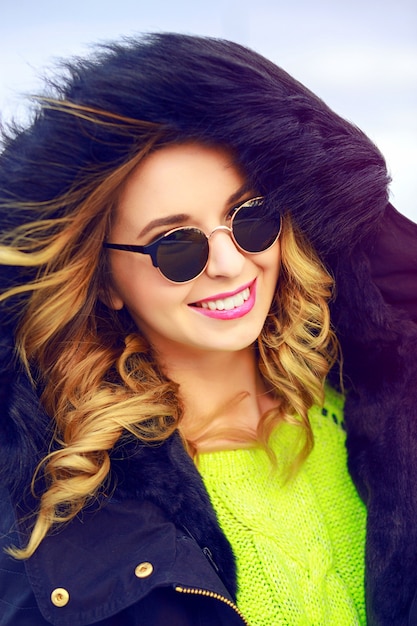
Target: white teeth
<point>238,299</point>
<point>227,304</point>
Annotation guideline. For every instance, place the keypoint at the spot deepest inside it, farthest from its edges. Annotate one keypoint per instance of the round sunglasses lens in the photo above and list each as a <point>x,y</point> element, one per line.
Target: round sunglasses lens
<point>252,231</point>
<point>182,254</point>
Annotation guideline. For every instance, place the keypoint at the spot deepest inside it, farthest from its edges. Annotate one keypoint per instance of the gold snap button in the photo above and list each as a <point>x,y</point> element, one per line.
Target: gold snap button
<point>60,597</point>
<point>143,570</point>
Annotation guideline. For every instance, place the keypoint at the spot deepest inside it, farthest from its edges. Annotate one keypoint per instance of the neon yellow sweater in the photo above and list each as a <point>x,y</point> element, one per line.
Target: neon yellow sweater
<point>300,545</point>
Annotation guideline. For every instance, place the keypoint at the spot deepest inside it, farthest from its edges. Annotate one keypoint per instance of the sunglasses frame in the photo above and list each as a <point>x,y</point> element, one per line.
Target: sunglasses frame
<point>152,248</point>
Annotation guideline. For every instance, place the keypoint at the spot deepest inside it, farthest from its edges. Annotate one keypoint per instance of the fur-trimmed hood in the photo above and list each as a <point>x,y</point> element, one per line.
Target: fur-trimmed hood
<point>304,159</point>
<point>297,151</point>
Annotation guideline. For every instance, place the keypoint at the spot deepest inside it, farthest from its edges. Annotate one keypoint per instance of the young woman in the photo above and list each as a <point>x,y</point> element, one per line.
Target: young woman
<point>191,240</point>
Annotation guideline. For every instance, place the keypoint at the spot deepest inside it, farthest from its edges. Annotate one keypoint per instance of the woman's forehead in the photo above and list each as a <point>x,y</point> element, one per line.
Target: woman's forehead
<point>180,179</point>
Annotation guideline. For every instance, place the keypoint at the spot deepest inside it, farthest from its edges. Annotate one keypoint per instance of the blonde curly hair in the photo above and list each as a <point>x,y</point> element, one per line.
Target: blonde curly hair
<point>98,374</point>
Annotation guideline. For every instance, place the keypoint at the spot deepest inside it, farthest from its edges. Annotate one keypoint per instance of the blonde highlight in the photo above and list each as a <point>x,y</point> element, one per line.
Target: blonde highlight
<point>98,377</point>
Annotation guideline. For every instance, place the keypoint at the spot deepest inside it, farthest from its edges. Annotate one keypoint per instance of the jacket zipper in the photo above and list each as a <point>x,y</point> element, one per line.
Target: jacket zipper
<point>212,594</point>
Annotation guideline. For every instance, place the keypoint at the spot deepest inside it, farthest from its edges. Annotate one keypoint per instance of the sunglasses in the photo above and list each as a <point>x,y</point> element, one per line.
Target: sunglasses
<point>181,254</point>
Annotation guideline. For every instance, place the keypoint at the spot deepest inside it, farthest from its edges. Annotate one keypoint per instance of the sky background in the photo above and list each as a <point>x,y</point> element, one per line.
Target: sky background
<point>360,56</point>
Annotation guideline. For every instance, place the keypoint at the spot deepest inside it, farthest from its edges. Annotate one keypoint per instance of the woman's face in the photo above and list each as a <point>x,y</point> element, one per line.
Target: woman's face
<point>224,309</point>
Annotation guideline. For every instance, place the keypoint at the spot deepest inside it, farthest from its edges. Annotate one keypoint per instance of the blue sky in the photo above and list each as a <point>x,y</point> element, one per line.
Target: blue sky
<point>359,56</point>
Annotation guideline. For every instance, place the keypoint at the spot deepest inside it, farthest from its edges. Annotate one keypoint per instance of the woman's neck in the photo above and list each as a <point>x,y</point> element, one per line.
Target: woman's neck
<point>223,397</point>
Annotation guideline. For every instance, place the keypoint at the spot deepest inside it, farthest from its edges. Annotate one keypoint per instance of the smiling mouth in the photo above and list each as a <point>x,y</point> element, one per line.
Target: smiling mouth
<point>226,304</point>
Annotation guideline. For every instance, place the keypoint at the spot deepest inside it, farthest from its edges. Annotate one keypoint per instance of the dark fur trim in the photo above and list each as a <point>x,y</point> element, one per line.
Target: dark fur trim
<point>379,343</point>
<point>25,429</point>
<point>298,152</point>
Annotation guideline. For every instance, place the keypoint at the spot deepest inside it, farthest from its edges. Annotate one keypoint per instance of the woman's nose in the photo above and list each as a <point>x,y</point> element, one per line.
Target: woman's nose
<point>225,259</point>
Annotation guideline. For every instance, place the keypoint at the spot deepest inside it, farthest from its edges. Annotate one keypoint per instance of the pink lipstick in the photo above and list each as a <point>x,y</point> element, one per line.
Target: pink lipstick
<point>228,306</point>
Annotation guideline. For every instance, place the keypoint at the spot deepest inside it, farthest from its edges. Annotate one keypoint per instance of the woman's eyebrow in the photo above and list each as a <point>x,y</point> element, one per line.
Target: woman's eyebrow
<point>172,220</point>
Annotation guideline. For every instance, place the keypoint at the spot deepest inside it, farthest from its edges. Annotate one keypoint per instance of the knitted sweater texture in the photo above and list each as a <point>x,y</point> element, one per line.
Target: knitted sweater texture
<point>299,545</point>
